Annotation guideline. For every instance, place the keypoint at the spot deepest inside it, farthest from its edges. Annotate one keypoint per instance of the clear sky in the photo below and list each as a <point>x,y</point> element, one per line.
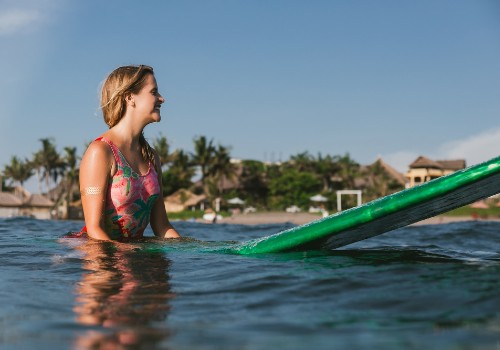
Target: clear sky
<point>270,78</point>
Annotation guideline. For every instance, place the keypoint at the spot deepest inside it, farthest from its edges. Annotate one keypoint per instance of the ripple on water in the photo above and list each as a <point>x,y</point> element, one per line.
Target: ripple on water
<point>417,287</point>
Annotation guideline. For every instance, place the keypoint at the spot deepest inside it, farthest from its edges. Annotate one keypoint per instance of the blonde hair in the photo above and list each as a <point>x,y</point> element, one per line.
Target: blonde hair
<point>120,83</point>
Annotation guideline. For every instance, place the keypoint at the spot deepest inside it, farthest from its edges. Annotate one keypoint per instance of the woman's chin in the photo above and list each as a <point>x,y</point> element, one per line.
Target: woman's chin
<point>156,118</point>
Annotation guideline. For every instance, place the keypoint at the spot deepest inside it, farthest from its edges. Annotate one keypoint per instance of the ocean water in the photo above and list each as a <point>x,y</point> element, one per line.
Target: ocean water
<point>420,287</point>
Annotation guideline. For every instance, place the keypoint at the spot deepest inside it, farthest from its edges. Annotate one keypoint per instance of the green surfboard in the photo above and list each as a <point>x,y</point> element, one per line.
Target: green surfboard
<point>385,214</point>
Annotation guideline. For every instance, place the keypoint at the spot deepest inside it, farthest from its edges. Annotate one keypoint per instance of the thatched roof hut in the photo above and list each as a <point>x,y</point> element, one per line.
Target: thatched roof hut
<point>23,203</point>
<point>8,199</point>
<point>183,199</point>
<point>451,165</point>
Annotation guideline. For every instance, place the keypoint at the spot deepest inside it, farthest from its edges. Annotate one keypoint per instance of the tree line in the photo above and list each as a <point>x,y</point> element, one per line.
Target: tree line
<point>210,170</point>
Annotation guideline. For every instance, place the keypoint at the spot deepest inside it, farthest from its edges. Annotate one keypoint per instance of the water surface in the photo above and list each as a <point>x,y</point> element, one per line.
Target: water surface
<point>432,287</point>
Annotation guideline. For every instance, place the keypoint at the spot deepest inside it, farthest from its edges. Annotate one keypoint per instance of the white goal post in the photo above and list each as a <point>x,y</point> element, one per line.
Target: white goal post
<point>341,192</point>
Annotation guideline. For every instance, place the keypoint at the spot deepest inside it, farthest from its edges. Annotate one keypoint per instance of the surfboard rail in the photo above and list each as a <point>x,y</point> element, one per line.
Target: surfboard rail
<point>385,214</point>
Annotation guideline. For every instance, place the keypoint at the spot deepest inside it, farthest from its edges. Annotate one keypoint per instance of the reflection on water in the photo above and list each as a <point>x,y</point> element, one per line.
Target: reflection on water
<point>122,297</point>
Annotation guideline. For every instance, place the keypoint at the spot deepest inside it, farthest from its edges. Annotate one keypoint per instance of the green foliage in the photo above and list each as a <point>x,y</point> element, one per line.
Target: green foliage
<point>327,168</point>
<point>491,212</point>
<point>186,215</point>
<point>267,186</point>
<point>253,185</point>
<point>178,175</point>
<point>70,172</point>
<point>48,163</point>
<point>214,163</point>
<point>379,183</point>
<point>293,187</point>
<point>3,185</point>
<point>220,169</point>
<point>162,148</point>
<point>18,170</point>
<point>349,170</point>
<point>302,162</point>
<point>192,214</point>
<point>203,155</point>
<point>254,166</point>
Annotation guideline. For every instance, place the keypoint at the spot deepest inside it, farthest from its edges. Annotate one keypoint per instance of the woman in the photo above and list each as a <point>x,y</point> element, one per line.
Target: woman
<point>120,174</point>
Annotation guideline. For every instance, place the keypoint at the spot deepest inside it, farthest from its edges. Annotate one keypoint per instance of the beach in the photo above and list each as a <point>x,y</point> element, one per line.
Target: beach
<point>260,218</point>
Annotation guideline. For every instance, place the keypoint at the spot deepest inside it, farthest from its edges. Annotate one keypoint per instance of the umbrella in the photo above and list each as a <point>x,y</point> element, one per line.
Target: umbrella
<point>318,198</point>
<point>236,200</point>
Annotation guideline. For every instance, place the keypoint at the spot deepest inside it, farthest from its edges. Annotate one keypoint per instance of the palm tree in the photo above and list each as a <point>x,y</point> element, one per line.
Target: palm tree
<point>181,165</point>
<point>162,148</point>
<point>253,184</point>
<point>179,173</point>
<point>47,163</point>
<point>2,182</point>
<point>18,171</point>
<point>203,156</point>
<point>221,168</point>
<point>302,161</point>
<point>36,165</point>
<point>70,174</point>
<point>349,170</point>
<point>326,168</point>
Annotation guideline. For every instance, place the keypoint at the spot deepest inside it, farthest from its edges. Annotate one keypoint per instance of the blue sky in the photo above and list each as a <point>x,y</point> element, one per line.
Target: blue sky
<point>270,78</point>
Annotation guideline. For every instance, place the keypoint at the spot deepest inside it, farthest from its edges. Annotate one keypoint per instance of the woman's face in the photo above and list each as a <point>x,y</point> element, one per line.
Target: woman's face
<point>148,101</point>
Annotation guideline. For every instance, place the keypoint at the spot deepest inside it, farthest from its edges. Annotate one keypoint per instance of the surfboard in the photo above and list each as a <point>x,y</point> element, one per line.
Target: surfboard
<point>385,214</point>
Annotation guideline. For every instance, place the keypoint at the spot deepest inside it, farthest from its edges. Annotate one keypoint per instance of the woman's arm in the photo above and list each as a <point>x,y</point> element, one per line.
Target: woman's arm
<point>95,170</point>
<point>159,220</point>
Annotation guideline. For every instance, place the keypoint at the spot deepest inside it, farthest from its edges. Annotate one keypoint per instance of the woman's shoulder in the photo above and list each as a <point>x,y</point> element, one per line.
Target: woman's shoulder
<point>99,150</point>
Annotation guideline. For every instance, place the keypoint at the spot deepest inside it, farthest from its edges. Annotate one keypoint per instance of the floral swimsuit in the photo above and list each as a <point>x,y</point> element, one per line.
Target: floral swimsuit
<point>130,198</point>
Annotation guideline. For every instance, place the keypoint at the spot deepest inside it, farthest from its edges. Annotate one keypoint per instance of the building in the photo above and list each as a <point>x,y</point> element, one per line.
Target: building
<point>424,169</point>
<point>9,205</point>
<point>23,203</point>
<point>183,200</point>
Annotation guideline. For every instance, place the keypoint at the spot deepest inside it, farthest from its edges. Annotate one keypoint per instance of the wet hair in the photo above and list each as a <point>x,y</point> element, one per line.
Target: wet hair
<point>119,84</point>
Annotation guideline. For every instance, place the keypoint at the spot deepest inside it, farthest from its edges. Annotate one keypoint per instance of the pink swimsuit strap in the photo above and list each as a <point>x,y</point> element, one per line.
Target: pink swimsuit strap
<point>130,198</point>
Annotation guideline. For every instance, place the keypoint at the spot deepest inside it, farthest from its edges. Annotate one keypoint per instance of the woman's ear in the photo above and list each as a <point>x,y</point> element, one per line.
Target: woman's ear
<point>129,99</point>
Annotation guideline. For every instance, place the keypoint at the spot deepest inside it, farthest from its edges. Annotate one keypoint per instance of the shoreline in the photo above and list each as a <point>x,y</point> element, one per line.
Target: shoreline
<point>304,218</point>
